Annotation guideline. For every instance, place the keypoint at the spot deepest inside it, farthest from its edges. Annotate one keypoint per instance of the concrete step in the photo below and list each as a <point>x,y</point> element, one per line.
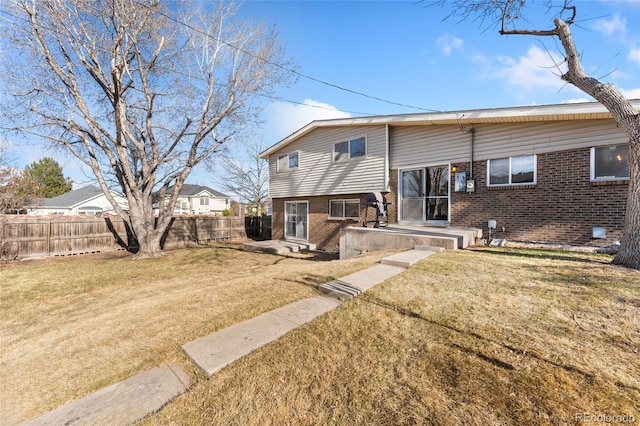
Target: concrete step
<point>429,248</point>
<point>407,258</point>
<point>339,289</point>
<point>350,286</point>
<point>278,246</point>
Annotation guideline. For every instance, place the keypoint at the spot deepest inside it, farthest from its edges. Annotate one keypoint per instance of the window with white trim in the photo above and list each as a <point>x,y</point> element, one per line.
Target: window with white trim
<point>610,163</point>
<point>288,161</point>
<point>353,148</point>
<point>512,171</point>
<point>344,209</point>
<point>90,210</point>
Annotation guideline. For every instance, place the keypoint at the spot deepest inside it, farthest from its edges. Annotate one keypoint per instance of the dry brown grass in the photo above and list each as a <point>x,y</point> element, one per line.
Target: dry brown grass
<point>70,326</point>
<point>470,337</point>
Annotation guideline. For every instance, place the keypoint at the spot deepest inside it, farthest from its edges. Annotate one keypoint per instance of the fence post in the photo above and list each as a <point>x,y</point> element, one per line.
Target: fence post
<point>48,243</point>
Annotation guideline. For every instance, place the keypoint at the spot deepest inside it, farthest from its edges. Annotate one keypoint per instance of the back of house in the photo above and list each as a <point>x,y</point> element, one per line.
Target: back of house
<point>554,174</point>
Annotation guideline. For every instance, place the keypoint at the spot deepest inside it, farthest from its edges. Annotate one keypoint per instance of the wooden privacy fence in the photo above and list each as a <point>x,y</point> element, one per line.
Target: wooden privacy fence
<point>258,227</point>
<point>32,236</point>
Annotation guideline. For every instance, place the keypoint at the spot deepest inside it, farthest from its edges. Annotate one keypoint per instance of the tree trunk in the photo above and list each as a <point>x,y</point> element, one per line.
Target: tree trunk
<point>147,230</point>
<point>628,118</point>
<point>629,254</point>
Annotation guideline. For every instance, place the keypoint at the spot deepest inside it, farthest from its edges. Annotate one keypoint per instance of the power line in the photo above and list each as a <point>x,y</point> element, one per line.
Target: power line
<point>317,80</point>
<point>291,70</point>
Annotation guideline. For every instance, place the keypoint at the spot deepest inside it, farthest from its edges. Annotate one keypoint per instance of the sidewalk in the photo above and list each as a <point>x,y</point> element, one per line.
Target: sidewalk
<point>145,393</point>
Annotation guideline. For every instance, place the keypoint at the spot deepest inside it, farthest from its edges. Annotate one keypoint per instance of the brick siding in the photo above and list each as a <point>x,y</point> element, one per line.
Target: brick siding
<point>561,208</point>
<point>324,232</point>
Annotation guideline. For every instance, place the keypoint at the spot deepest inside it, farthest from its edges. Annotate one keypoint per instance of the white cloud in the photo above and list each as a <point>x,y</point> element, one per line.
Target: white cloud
<point>448,42</point>
<point>612,26</point>
<point>631,93</point>
<point>285,118</point>
<point>539,69</point>
<point>634,55</point>
<point>578,100</point>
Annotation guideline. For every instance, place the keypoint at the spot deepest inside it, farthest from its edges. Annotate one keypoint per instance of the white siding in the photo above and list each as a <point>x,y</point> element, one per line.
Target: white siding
<point>423,145</point>
<point>427,145</point>
<point>317,174</point>
<point>505,140</point>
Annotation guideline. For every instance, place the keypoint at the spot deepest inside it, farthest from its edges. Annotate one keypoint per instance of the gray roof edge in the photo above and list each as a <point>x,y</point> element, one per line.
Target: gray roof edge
<point>73,198</point>
<point>190,189</point>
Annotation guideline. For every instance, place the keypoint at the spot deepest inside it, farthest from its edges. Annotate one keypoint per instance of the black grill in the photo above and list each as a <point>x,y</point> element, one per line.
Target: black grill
<point>377,202</point>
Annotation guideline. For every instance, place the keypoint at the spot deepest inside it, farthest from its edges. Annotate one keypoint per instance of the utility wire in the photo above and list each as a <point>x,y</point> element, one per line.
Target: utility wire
<point>291,70</point>
<point>317,80</point>
<point>273,98</point>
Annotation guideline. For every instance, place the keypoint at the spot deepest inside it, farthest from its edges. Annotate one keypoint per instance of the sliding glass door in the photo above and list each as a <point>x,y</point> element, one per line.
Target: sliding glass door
<point>296,220</point>
<point>425,194</point>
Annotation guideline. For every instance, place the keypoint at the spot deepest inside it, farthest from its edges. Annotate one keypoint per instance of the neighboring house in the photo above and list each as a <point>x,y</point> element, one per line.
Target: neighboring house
<point>88,200</point>
<point>198,199</point>
<point>553,173</point>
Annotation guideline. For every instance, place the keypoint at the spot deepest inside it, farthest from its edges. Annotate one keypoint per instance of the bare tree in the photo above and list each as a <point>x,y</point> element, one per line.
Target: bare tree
<point>245,176</point>
<point>139,91</point>
<point>508,15</point>
<point>16,190</point>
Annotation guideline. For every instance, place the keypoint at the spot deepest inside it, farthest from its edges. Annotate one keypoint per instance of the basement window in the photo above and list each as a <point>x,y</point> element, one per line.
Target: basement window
<point>344,209</point>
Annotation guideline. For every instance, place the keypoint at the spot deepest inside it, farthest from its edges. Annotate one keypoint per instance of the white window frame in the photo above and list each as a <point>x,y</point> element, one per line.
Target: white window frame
<point>90,210</point>
<point>344,205</point>
<point>592,171</point>
<point>510,183</point>
<point>287,166</point>
<point>350,155</point>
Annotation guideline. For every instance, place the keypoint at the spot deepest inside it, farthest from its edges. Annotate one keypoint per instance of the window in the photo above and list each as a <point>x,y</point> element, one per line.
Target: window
<point>287,161</point>
<point>350,149</point>
<point>511,171</point>
<point>204,201</point>
<point>344,209</point>
<point>90,210</point>
<point>610,162</point>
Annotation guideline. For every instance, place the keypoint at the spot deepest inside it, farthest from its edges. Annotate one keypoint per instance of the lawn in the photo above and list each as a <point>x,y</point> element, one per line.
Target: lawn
<point>493,336</point>
<point>474,337</point>
<point>70,326</point>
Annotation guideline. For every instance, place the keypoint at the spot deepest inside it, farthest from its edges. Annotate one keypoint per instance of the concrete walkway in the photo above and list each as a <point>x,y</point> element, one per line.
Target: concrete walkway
<point>122,403</point>
<point>214,352</point>
<point>145,393</point>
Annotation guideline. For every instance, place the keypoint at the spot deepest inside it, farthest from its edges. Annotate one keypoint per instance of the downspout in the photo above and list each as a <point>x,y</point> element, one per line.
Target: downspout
<point>472,133</point>
<point>386,159</point>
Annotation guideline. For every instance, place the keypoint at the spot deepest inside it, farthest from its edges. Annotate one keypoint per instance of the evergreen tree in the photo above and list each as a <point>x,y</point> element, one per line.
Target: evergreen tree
<point>48,175</point>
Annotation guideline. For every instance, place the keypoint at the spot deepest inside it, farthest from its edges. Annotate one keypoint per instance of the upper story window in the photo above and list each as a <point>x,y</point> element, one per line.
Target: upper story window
<point>511,171</point>
<point>204,201</point>
<point>350,149</point>
<point>610,163</point>
<point>288,161</point>
<point>344,209</point>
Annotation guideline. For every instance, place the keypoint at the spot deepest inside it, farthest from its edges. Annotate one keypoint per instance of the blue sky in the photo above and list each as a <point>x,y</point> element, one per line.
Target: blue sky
<point>406,53</point>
